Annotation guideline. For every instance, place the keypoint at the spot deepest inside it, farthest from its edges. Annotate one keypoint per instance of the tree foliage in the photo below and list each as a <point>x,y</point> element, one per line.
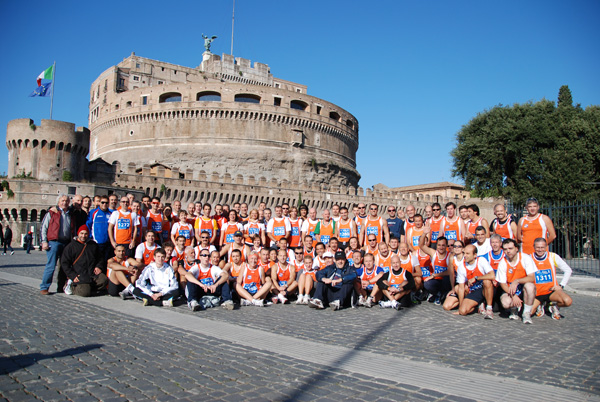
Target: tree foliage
<point>532,149</point>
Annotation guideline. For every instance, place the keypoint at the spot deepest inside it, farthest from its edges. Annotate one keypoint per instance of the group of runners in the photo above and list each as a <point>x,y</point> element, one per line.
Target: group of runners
<point>219,256</point>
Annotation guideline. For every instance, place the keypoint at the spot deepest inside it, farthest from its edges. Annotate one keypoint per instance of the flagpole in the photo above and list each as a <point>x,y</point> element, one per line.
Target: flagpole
<point>232,21</point>
<point>52,93</point>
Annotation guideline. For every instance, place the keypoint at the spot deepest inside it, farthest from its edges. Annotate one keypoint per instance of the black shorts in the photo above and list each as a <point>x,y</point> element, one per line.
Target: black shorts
<point>114,289</point>
<point>544,298</point>
<point>476,295</point>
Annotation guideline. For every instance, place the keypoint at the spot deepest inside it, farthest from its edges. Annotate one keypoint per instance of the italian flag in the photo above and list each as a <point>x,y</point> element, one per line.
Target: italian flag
<point>47,74</point>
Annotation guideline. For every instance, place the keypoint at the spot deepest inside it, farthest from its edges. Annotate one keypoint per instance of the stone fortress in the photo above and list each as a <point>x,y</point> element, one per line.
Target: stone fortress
<point>224,132</point>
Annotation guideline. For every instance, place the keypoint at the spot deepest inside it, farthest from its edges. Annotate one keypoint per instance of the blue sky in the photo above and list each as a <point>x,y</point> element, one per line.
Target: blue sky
<point>411,72</point>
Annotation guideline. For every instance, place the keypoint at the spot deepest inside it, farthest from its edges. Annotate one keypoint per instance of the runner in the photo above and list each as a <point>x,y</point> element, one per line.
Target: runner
<point>534,225</point>
<point>345,228</point>
<point>278,226</point>
<point>504,224</point>
<point>516,276</point>
<point>325,229</point>
<point>452,227</point>
<point>376,225</point>
<point>182,228</point>
<point>206,224</point>
<point>254,228</point>
<point>548,292</point>
<point>366,285</point>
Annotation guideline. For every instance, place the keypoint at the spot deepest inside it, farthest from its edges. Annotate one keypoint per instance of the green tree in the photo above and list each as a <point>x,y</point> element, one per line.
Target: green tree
<point>565,99</point>
<point>532,149</point>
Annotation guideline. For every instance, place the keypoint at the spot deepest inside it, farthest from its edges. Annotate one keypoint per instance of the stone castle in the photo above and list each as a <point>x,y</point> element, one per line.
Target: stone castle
<point>224,132</point>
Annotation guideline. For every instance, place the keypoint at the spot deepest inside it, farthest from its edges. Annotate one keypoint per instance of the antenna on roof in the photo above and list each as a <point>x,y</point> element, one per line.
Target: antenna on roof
<point>232,21</point>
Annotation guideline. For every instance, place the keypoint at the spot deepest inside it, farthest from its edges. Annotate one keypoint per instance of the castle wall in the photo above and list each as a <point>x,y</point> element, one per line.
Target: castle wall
<point>284,135</point>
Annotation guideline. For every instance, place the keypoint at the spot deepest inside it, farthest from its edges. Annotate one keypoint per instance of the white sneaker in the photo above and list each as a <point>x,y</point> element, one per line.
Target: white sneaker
<point>315,303</point>
<point>194,305</point>
<point>168,303</point>
<point>68,289</point>
<point>527,318</point>
<point>361,300</point>
<point>334,305</point>
<point>258,303</point>
<point>282,298</point>
<point>12,253</point>
<point>555,312</point>
<point>125,294</point>
<point>306,299</point>
<point>481,309</point>
<point>244,302</point>
<point>369,302</point>
<point>300,299</point>
<point>513,313</point>
<point>228,305</point>
<point>385,304</point>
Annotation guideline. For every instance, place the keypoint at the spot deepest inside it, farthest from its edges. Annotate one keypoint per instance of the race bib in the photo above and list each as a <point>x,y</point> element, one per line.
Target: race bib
<point>450,234</point>
<point>209,231</point>
<point>185,233</point>
<point>438,269</point>
<point>229,238</point>
<point>374,230</point>
<point>434,236</point>
<point>207,281</point>
<point>123,224</point>
<point>157,226</point>
<point>325,239</point>
<point>344,233</point>
<point>295,231</point>
<point>251,288</point>
<point>415,241</point>
<point>425,272</point>
<point>543,276</point>
<point>279,231</point>
<point>253,231</point>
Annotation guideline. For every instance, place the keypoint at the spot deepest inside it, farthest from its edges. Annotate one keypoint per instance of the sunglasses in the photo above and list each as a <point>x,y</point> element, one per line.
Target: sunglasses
<point>203,255</point>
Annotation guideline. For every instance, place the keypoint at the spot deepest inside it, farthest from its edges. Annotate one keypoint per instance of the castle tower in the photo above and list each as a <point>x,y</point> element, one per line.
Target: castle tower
<point>44,152</point>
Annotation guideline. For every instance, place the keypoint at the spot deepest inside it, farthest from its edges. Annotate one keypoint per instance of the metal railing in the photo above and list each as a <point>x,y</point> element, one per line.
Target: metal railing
<point>577,225</point>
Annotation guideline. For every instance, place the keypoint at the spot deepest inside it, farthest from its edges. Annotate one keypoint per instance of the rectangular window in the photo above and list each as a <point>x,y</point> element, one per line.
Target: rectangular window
<point>144,100</point>
<point>160,82</point>
<point>138,65</point>
<point>318,109</point>
<point>136,78</point>
<point>71,190</point>
<point>276,101</point>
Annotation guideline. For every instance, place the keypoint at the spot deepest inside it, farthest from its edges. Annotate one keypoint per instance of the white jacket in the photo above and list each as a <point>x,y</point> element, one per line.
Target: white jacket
<point>155,280</point>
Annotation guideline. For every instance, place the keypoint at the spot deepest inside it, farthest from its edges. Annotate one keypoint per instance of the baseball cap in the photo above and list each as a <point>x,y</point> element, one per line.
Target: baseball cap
<point>340,255</point>
<point>327,254</point>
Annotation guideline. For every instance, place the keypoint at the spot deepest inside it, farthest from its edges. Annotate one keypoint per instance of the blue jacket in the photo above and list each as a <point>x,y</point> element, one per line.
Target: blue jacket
<point>348,273</point>
<point>98,224</point>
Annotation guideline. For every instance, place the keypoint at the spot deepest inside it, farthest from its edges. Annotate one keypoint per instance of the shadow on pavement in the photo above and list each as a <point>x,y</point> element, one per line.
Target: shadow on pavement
<point>10,364</point>
<point>21,265</point>
<point>322,376</point>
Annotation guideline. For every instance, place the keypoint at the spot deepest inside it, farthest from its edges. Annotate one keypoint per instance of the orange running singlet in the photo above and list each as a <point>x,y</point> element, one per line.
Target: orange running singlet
<point>545,276</point>
<point>531,229</point>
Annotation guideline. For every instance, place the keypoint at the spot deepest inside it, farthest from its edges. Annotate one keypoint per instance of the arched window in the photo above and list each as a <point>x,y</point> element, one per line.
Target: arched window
<point>247,98</point>
<point>208,96</point>
<point>298,105</point>
<point>170,97</point>
<point>334,115</point>
<point>350,123</point>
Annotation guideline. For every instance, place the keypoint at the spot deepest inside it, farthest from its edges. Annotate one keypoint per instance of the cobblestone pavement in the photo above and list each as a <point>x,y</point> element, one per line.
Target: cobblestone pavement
<point>57,348</point>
